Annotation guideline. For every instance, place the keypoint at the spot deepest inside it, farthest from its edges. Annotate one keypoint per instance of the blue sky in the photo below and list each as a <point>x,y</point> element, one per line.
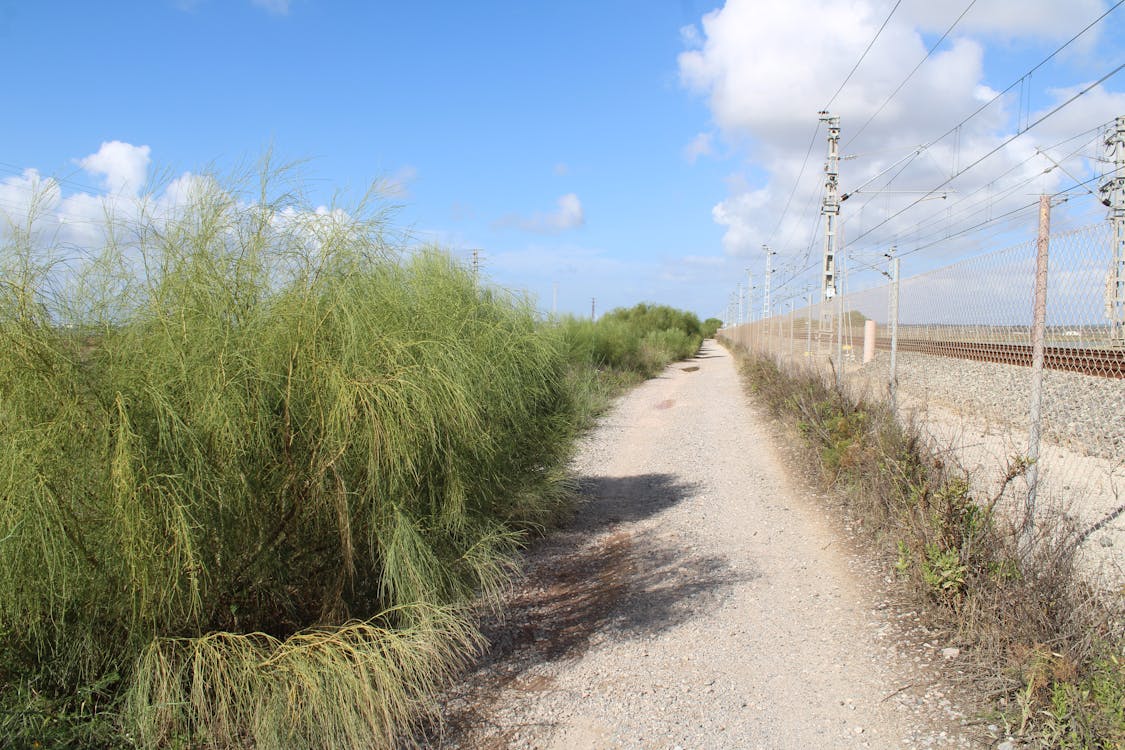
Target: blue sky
<point>622,150</point>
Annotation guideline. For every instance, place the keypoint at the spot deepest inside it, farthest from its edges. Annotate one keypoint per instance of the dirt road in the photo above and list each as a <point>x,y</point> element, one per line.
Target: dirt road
<point>701,599</point>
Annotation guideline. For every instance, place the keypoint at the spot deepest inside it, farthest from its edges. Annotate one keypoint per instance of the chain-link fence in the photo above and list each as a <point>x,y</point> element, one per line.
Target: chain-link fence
<point>953,351</point>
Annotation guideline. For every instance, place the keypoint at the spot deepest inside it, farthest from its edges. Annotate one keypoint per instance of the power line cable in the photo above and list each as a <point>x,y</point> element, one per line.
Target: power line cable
<point>910,75</point>
<point>861,57</point>
<point>1004,143</point>
<point>808,266</point>
<point>812,141</point>
<point>797,183</point>
<point>964,212</point>
<point>992,220</point>
<point>1031,205</point>
<point>1017,82</point>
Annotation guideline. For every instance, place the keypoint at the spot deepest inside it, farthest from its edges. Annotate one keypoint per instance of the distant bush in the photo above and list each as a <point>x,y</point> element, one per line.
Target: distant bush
<point>638,341</point>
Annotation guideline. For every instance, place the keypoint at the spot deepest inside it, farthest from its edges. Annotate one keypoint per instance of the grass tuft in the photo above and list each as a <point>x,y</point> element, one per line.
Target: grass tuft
<point>359,684</point>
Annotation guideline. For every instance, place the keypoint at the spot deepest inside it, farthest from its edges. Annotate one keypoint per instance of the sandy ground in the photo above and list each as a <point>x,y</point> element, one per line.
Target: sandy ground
<point>700,599</point>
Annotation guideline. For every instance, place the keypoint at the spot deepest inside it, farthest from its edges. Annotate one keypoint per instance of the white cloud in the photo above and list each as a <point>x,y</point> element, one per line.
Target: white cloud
<point>568,215</point>
<point>700,145</point>
<point>690,37</point>
<point>74,224</point>
<point>766,67</point>
<point>280,7</point>
<point>398,184</point>
<point>123,167</point>
<point>1008,19</point>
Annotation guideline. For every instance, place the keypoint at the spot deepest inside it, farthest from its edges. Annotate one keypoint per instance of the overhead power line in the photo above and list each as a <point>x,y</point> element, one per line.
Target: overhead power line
<point>812,141</point>
<point>1002,144</point>
<point>1017,82</point>
<point>1029,72</point>
<point>796,183</point>
<point>910,75</point>
<point>963,207</point>
<point>861,57</point>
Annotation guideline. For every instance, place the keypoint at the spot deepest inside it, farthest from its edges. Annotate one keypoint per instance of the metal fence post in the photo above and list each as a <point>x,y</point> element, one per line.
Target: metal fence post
<point>774,346</point>
<point>791,312</point>
<point>808,331</point>
<point>892,376</point>
<point>1038,332</point>
<point>839,340</point>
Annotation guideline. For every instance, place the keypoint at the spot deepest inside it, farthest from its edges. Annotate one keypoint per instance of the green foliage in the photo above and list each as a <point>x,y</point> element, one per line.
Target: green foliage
<point>1072,711</point>
<point>943,573</point>
<point>233,690</point>
<point>246,433</point>
<point>711,326</point>
<point>638,341</point>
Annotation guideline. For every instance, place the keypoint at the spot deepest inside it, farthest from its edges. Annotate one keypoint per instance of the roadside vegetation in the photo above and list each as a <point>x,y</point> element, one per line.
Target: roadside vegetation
<point>1048,651</point>
<point>626,346</point>
<point>256,462</point>
<point>636,342</point>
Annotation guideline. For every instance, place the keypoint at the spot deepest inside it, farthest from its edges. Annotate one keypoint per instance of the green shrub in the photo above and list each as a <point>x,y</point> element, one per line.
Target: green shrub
<point>639,341</point>
<point>255,434</point>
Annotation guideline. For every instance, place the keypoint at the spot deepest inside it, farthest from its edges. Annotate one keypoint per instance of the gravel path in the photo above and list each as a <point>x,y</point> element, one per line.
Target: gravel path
<point>699,600</point>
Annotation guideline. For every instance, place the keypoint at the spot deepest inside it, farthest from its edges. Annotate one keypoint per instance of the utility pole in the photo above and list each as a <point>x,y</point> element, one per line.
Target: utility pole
<point>830,208</point>
<point>749,296</point>
<point>593,308</point>
<point>769,275</point>
<point>738,320</point>
<point>1113,191</point>
<point>476,265</point>
<point>554,299</point>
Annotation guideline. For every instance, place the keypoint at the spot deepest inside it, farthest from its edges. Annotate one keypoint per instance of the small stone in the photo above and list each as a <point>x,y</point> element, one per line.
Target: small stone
<point>951,652</point>
<point>1106,541</point>
<point>1006,745</point>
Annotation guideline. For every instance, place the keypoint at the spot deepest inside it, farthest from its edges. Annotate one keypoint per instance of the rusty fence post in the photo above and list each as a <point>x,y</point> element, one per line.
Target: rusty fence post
<point>1038,334</point>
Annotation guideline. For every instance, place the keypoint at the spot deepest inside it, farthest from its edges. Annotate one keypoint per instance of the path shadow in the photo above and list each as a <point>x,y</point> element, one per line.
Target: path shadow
<point>635,584</point>
<point>609,500</point>
<point>598,578</point>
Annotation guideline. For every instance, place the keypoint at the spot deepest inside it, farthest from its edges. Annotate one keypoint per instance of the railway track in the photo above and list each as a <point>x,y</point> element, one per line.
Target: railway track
<point>1106,363</point>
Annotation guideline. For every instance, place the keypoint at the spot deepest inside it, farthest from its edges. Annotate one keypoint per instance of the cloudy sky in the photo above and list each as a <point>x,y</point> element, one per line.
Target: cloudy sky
<point>623,150</point>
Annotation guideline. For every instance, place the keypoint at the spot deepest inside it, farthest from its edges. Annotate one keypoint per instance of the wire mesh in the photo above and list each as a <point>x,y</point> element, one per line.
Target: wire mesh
<point>963,370</point>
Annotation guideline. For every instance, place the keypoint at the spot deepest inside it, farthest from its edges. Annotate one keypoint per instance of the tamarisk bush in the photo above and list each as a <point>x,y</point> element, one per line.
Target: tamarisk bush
<point>254,460</point>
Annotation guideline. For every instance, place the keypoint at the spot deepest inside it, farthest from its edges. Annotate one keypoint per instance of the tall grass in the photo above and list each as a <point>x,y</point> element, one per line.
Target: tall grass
<point>252,462</point>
